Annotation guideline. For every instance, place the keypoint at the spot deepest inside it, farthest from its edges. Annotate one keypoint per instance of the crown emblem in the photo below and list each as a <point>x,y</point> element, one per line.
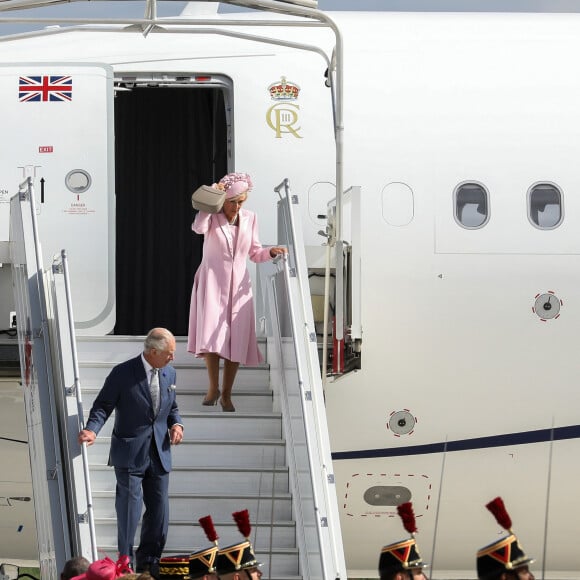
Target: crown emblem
<point>284,90</point>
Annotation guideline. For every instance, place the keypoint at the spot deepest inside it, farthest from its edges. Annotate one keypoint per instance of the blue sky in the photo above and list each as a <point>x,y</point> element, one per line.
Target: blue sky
<point>135,9</point>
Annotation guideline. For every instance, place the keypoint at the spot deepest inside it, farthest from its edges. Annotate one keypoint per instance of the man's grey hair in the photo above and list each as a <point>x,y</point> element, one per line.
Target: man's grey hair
<point>157,339</point>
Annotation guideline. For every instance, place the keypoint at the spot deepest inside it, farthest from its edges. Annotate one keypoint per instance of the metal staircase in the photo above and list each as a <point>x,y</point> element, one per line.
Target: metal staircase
<point>271,457</point>
<point>227,461</point>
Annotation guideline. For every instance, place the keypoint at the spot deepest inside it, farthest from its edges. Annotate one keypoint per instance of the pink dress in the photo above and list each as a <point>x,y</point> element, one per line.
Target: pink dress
<point>221,317</point>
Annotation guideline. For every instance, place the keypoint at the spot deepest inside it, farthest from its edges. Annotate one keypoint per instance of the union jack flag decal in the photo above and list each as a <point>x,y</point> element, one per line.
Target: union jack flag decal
<point>44,88</point>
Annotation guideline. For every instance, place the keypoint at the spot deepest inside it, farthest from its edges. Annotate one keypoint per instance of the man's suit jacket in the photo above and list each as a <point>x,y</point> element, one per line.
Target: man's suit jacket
<point>126,390</point>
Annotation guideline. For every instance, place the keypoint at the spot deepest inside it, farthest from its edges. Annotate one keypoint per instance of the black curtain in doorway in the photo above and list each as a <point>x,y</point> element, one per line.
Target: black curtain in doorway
<point>168,141</point>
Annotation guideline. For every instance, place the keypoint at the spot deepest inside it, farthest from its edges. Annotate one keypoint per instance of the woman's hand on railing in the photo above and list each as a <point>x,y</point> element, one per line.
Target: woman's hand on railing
<point>277,251</point>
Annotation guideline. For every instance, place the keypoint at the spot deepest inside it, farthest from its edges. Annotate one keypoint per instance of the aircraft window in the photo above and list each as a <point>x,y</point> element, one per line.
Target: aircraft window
<point>398,204</point>
<point>545,206</point>
<point>78,180</point>
<point>471,202</point>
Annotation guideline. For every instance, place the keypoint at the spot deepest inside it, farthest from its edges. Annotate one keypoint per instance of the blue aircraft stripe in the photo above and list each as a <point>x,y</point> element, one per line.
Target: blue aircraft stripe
<point>538,436</point>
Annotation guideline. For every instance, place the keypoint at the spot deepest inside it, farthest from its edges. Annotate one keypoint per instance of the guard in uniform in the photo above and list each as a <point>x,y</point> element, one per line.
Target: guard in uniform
<point>401,560</point>
<point>505,558</point>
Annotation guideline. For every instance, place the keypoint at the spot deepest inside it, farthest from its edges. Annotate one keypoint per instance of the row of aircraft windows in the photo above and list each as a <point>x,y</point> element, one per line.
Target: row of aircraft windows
<point>544,205</point>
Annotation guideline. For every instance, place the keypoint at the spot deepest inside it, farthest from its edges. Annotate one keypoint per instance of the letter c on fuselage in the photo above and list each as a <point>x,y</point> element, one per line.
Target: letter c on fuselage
<point>282,118</point>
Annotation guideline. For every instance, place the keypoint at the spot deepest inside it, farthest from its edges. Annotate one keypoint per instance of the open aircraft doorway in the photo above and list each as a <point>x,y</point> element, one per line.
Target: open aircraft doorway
<point>171,136</point>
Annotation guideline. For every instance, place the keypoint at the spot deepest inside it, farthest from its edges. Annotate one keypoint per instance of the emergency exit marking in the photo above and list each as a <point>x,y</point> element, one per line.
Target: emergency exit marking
<point>46,149</point>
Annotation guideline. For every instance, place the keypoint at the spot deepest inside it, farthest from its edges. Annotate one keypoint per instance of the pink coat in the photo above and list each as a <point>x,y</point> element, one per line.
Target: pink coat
<point>221,318</point>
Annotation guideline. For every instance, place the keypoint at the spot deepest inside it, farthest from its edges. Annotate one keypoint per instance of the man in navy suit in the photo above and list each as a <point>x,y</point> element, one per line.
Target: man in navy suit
<point>147,423</point>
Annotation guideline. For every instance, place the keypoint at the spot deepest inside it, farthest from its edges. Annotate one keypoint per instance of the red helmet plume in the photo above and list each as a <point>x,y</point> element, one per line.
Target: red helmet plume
<point>208,527</point>
<point>242,520</point>
<point>497,508</point>
<point>407,516</point>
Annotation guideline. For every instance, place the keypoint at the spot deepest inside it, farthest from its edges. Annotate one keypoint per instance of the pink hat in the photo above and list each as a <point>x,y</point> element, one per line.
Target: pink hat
<point>236,184</point>
<point>106,569</point>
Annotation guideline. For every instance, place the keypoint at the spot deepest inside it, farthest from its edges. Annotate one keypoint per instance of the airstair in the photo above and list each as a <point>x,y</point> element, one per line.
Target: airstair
<point>271,457</point>
<point>227,461</point>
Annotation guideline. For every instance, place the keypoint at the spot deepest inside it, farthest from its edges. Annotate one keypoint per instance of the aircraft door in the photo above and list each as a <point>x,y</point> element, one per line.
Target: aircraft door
<point>58,128</point>
<point>183,145</point>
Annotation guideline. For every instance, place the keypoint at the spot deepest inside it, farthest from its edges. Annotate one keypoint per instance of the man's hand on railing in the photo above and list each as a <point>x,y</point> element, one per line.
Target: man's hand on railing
<point>87,436</point>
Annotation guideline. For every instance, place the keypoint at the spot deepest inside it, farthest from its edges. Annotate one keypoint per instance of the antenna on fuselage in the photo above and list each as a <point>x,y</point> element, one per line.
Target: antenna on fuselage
<point>548,488</point>
<point>432,566</point>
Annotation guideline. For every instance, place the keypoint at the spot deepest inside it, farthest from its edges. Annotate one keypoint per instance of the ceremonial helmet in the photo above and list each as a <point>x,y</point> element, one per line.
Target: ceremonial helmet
<point>204,561</point>
<point>403,555</point>
<point>196,565</point>
<point>504,554</point>
<point>238,556</point>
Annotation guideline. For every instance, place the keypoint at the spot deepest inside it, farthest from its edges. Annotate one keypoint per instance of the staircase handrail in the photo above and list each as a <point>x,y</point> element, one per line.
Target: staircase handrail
<point>78,395</point>
<point>310,384</point>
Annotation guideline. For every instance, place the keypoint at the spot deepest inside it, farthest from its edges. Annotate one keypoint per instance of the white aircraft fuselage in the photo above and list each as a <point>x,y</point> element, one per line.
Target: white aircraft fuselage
<point>463,133</point>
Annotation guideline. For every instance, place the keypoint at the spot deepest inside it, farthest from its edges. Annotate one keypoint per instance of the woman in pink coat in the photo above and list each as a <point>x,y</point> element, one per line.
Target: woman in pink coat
<point>221,320</point>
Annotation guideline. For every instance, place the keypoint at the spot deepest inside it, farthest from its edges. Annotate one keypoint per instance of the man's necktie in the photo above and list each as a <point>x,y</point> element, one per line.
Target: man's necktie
<point>154,386</point>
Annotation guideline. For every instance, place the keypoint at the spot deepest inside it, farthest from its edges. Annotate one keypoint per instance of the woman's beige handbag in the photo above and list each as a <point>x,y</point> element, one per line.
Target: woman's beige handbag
<point>208,199</point>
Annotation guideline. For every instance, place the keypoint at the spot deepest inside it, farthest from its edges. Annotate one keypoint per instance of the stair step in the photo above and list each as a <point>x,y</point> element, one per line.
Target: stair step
<point>216,479</point>
<point>189,400</point>
<point>116,349</point>
<point>279,534</point>
<point>187,507</point>
<point>92,376</point>
<point>209,426</point>
<point>243,453</point>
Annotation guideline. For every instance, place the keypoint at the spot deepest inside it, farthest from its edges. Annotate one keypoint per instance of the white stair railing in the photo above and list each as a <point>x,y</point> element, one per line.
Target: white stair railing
<point>46,338</point>
<point>297,384</point>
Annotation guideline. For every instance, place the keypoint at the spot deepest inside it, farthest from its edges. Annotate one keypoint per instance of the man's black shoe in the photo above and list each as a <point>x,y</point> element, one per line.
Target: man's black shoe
<point>151,567</point>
